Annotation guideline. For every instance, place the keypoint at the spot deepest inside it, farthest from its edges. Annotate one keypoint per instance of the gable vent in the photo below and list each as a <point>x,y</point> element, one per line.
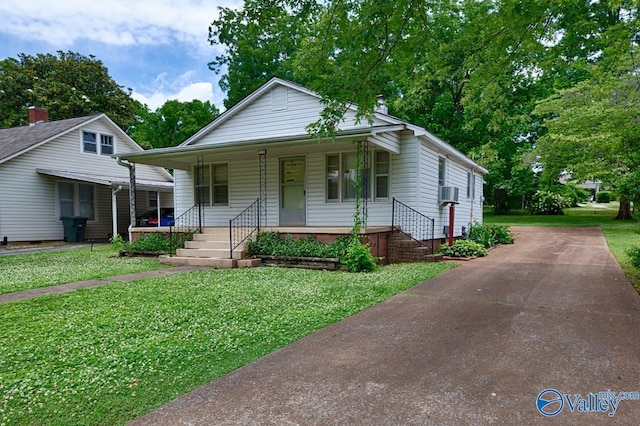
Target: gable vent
<point>279,101</point>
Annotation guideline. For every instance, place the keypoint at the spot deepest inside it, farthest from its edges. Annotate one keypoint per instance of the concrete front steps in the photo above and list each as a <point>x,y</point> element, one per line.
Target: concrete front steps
<point>210,249</point>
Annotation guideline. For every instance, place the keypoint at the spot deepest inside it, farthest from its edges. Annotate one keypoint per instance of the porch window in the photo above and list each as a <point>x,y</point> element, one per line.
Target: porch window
<point>220,185</point>
<point>106,144</point>
<point>333,177</point>
<point>382,175</point>
<point>212,184</point>
<point>89,142</point>
<point>76,199</point>
<point>202,187</point>
<point>341,177</point>
<point>152,199</point>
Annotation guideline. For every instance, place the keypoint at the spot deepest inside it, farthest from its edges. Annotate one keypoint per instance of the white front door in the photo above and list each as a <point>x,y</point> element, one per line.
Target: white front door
<point>292,192</point>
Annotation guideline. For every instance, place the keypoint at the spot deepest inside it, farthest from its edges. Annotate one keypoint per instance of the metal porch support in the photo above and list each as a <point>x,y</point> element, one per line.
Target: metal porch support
<point>262,160</point>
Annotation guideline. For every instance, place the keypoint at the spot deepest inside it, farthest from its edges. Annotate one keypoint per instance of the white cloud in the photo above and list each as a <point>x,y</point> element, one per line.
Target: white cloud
<point>198,90</point>
<point>115,22</point>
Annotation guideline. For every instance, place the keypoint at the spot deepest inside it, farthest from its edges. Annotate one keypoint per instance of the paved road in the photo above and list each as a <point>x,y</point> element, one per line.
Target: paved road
<point>473,346</point>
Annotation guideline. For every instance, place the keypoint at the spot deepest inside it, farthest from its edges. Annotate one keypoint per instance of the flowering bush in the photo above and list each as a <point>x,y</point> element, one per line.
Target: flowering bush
<point>547,203</point>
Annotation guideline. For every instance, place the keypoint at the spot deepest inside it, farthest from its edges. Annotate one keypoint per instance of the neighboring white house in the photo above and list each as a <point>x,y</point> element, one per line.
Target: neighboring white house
<point>55,169</point>
<point>260,149</point>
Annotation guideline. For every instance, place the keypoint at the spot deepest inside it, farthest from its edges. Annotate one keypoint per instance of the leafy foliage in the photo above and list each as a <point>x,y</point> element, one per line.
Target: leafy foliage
<point>547,203</point>
<point>490,235</point>
<point>464,248</point>
<point>171,124</point>
<point>158,242</point>
<point>634,255</point>
<point>67,85</point>
<point>358,257</point>
<point>574,195</point>
<point>110,354</point>
<point>272,244</point>
<point>603,197</point>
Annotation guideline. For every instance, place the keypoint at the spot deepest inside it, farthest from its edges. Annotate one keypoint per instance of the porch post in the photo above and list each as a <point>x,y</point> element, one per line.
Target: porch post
<point>132,197</point>
<point>158,206</point>
<point>114,210</point>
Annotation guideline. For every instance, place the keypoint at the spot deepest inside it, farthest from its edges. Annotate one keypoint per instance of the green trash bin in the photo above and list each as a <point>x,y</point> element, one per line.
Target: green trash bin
<point>74,228</point>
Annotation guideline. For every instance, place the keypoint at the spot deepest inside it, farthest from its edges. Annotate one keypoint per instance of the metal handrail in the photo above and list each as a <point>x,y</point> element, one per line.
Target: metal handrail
<point>189,221</point>
<point>243,225</point>
<point>412,223</point>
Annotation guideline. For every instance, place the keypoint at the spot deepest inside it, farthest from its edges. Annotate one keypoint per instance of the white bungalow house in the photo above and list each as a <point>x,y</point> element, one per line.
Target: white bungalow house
<point>259,151</point>
<point>55,169</point>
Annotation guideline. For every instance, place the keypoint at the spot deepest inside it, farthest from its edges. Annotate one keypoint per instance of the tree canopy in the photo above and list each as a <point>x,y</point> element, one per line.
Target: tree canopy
<point>67,85</point>
<point>172,123</point>
<point>470,71</point>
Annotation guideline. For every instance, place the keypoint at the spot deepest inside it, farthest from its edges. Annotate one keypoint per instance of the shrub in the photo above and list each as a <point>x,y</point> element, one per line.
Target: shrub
<point>603,197</point>
<point>358,257</point>
<point>634,255</point>
<point>154,242</point>
<point>272,244</point>
<point>464,248</point>
<point>574,195</point>
<point>490,235</point>
<point>546,203</point>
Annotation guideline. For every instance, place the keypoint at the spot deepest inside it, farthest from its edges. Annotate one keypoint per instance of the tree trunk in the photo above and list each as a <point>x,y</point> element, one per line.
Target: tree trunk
<point>624,212</point>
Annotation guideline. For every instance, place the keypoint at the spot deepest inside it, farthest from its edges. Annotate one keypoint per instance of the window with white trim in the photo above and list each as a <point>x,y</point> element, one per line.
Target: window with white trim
<point>89,142</point>
<point>441,171</point>
<point>76,199</point>
<point>471,185</point>
<point>106,144</point>
<point>211,184</point>
<point>341,174</point>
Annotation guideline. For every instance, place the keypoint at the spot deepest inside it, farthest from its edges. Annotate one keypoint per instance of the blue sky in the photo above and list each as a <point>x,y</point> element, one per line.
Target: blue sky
<point>158,48</point>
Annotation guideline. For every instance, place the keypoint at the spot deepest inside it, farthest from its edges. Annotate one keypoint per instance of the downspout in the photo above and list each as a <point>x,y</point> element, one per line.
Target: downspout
<point>114,209</point>
<point>132,192</point>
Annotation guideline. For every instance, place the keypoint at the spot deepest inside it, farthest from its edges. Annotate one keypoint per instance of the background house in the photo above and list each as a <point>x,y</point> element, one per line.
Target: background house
<point>260,149</point>
<point>53,169</point>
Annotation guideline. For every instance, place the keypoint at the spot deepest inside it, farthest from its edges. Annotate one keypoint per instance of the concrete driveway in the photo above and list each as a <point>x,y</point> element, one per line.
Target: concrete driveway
<point>473,346</point>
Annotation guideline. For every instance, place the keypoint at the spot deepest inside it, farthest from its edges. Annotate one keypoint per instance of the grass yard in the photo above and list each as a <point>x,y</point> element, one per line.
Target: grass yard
<point>45,269</point>
<point>107,355</point>
<point>620,235</point>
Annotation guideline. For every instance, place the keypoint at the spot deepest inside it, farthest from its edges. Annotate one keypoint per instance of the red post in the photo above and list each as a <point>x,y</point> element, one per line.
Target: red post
<point>452,209</point>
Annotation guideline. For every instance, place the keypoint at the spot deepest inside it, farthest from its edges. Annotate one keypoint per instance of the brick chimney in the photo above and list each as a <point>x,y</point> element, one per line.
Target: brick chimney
<point>37,116</point>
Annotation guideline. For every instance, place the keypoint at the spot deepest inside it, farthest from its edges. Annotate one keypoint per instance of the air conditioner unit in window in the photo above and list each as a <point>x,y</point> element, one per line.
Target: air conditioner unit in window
<point>448,194</point>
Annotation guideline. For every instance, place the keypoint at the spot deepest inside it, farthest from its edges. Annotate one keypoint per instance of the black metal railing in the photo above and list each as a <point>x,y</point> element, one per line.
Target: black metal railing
<point>243,225</point>
<point>413,224</point>
<point>189,222</point>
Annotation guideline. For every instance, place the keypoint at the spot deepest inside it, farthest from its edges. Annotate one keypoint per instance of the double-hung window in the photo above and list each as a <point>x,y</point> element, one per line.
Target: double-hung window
<point>342,177</point>
<point>89,142</point>
<point>212,184</point>
<point>76,199</point>
<point>106,144</point>
<point>441,171</point>
<point>471,185</point>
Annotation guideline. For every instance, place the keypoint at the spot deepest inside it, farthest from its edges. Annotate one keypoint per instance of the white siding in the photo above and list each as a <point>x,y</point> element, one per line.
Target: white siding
<point>244,187</point>
<point>466,211</point>
<point>259,120</point>
<point>28,201</point>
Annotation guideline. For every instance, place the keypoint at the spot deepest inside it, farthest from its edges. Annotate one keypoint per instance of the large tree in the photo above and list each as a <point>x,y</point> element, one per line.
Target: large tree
<point>67,85</point>
<point>172,123</point>
<point>470,71</point>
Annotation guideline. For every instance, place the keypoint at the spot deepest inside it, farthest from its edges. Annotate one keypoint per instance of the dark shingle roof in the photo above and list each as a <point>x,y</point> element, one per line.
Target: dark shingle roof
<point>17,139</point>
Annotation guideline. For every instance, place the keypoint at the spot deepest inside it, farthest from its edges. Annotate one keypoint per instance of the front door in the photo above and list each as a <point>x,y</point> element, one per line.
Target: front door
<point>292,192</point>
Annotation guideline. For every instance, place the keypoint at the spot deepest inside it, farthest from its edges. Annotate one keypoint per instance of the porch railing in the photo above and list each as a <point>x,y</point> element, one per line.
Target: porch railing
<point>243,225</point>
<point>412,223</point>
<point>190,221</point>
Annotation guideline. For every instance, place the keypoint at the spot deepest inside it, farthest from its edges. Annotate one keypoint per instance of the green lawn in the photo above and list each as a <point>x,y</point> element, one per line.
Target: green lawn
<point>107,355</point>
<point>620,235</point>
<point>45,269</point>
